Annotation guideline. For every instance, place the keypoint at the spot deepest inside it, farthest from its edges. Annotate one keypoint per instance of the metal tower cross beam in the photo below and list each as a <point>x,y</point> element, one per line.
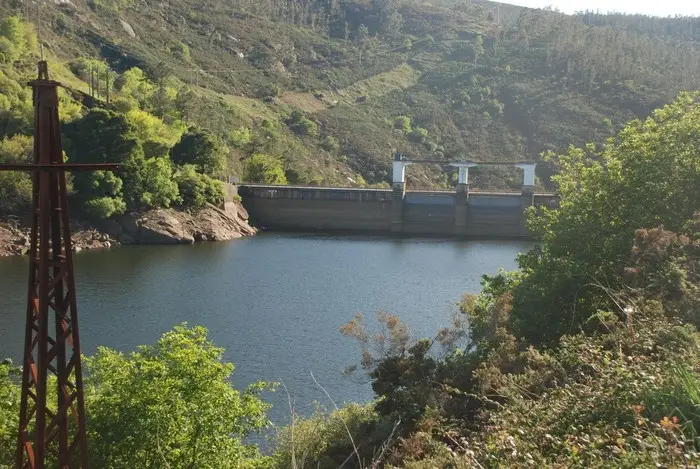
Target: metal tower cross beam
<point>51,434</point>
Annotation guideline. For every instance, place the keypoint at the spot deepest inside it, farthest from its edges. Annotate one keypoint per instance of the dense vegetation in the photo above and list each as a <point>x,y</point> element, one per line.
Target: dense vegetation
<point>163,164</point>
<point>166,405</point>
<point>587,356</point>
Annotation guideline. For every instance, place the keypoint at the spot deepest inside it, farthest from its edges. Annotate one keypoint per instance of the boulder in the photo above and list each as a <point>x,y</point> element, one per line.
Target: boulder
<point>161,227</point>
<point>128,29</point>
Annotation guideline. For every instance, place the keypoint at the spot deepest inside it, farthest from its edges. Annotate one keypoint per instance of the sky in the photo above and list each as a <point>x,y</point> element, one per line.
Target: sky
<point>647,7</point>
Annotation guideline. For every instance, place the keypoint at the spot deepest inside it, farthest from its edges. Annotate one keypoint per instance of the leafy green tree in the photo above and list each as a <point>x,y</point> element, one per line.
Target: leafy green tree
<point>264,169</point>
<point>149,128</point>
<point>17,39</point>
<point>102,137</point>
<point>202,150</point>
<point>647,177</point>
<point>15,187</point>
<point>197,189</point>
<point>135,86</point>
<point>141,183</point>
<point>300,124</point>
<point>103,192</point>
<point>156,187</point>
<point>9,413</point>
<point>171,405</point>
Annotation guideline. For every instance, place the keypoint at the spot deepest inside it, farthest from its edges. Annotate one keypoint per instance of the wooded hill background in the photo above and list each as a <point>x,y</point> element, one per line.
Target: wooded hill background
<point>325,89</point>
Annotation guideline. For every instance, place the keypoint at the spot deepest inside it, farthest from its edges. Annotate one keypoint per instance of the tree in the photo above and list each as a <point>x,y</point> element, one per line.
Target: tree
<point>157,188</point>
<point>102,137</point>
<point>149,128</point>
<point>170,405</point>
<point>264,169</point>
<point>403,123</point>
<point>10,377</point>
<point>300,124</point>
<point>17,39</point>
<point>134,85</point>
<point>197,189</point>
<point>647,177</point>
<point>202,150</point>
<point>478,48</point>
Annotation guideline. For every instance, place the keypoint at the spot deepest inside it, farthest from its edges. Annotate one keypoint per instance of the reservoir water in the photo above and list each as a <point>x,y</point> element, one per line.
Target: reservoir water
<point>274,302</point>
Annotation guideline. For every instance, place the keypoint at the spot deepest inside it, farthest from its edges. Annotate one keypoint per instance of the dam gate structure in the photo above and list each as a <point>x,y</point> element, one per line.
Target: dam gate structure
<point>461,213</point>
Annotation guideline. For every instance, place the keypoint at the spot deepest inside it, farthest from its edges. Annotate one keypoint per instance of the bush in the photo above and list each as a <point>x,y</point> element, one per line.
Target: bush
<point>197,189</point>
<point>418,135</point>
<point>331,144</point>
<point>202,150</point>
<point>241,137</point>
<point>10,378</point>
<point>175,395</point>
<point>264,169</point>
<point>15,187</point>
<point>607,193</point>
<point>268,90</point>
<point>101,208</point>
<point>301,125</point>
<point>403,124</point>
<point>182,52</point>
<point>322,441</point>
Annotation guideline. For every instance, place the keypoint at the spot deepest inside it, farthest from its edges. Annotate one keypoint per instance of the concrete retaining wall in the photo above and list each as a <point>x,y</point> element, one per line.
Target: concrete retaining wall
<point>484,215</point>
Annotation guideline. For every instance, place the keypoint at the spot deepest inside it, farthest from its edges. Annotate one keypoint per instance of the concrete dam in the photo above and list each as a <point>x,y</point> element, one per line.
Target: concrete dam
<point>460,213</point>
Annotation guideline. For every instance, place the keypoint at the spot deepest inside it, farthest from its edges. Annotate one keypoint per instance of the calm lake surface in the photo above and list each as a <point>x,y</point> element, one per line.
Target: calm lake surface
<point>275,302</point>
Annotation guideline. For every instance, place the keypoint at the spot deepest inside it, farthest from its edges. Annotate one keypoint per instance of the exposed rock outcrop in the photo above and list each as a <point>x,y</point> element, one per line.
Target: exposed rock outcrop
<point>16,241</point>
<point>167,226</point>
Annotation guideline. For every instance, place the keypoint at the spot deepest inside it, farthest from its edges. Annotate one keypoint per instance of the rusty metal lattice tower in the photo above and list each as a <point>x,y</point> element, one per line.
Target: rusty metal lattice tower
<point>51,433</point>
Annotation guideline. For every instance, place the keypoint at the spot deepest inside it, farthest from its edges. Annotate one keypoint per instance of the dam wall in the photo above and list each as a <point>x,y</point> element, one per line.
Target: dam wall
<point>461,214</point>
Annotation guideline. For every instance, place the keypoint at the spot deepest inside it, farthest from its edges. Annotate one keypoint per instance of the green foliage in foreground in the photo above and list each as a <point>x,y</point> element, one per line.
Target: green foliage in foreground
<point>325,440</point>
<point>588,355</point>
<point>170,404</point>
<point>646,177</point>
<point>9,414</point>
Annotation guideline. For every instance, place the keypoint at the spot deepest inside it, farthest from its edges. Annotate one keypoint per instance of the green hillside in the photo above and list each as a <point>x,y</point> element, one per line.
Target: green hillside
<point>325,89</point>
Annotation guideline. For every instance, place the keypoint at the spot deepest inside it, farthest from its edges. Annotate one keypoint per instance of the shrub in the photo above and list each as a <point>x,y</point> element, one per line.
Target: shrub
<point>268,90</point>
<point>331,144</point>
<point>182,52</point>
<point>322,441</point>
<point>10,377</point>
<point>202,150</point>
<point>607,193</point>
<point>241,137</point>
<point>101,208</point>
<point>176,395</point>
<point>418,134</point>
<point>264,169</point>
<point>300,124</point>
<point>15,187</point>
<point>403,124</point>
<point>197,189</point>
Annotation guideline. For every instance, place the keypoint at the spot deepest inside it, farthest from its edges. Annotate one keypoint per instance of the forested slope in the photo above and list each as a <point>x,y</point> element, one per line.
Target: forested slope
<point>320,92</point>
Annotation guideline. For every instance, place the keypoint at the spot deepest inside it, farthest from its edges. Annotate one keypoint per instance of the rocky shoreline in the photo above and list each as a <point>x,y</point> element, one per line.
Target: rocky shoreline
<point>166,226</point>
